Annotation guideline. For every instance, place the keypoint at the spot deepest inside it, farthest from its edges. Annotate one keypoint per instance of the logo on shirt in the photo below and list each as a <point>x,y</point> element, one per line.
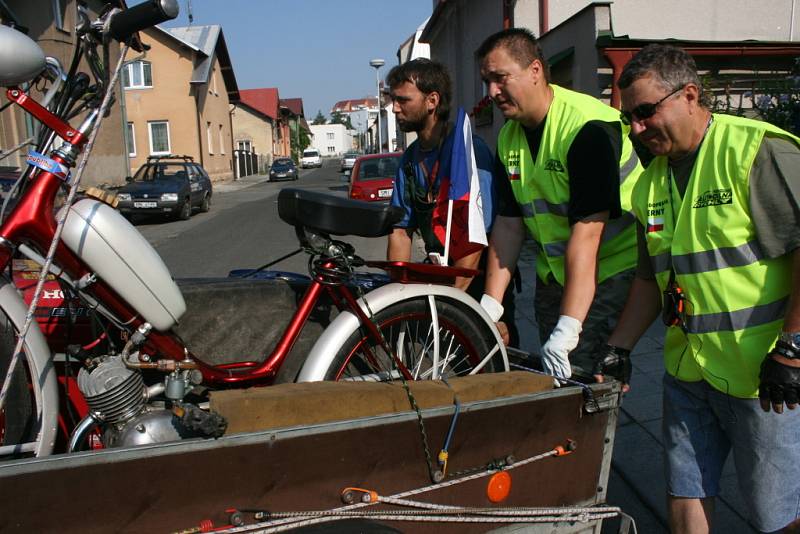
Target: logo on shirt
<point>513,173</point>
<point>713,197</point>
<point>553,165</point>
<point>655,224</point>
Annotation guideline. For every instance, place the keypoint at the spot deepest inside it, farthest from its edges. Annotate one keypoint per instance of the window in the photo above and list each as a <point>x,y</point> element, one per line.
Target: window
<point>130,139</point>
<point>244,145</point>
<point>331,149</point>
<point>159,137</point>
<point>137,75</point>
<point>208,138</point>
<point>59,12</point>
<point>330,136</point>
<point>213,88</point>
<point>221,141</point>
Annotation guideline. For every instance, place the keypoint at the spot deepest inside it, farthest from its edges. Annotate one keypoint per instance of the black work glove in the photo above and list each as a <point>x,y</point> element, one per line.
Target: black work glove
<point>780,383</point>
<point>613,361</point>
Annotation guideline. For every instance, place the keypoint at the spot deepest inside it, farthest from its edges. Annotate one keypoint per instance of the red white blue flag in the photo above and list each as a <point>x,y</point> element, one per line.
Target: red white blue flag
<point>458,215</point>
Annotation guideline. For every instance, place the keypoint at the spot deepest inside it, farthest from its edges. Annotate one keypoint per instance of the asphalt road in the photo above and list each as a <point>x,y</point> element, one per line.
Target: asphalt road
<point>243,230</point>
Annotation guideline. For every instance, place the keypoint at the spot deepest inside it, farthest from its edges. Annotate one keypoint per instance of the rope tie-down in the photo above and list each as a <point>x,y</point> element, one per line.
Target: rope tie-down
<point>358,499</point>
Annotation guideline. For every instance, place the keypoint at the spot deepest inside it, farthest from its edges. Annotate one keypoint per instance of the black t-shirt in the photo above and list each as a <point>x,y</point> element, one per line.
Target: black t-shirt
<point>592,168</point>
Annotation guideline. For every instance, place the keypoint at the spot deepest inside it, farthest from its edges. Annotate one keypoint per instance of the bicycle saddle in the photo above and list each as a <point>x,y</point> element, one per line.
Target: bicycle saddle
<point>330,214</point>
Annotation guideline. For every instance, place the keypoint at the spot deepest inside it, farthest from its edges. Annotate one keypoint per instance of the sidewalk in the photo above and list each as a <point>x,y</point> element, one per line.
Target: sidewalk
<point>241,183</point>
<point>637,482</point>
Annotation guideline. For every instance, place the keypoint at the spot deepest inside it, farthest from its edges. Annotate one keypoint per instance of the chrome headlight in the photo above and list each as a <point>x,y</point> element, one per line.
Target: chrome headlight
<point>169,197</point>
<point>123,196</point>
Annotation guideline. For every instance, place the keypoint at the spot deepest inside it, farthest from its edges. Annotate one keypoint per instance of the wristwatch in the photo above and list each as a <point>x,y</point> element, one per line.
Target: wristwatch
<point>792,338</point>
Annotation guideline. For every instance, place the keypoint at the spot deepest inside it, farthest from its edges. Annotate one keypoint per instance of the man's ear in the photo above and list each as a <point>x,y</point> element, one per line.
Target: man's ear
<point>692,94</point>
<point>432,101</point>
<point>536,69</point>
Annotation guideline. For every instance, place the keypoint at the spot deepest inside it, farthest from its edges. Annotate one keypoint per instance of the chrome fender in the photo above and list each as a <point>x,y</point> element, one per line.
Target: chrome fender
<point>41,365</point>
<point>327,346</point>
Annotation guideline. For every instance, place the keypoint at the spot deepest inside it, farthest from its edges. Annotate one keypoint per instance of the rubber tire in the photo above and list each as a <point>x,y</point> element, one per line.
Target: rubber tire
<point>185,212</point>
<point>18,424</point>
<point>474,335</point>
<point>205,206</point>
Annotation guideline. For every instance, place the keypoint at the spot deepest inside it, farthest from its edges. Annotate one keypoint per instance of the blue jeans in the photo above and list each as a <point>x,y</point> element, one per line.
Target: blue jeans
<point>702,425</point>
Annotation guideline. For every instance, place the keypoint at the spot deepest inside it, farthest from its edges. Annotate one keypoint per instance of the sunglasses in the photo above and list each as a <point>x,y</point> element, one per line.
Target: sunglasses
<point>644,111</point>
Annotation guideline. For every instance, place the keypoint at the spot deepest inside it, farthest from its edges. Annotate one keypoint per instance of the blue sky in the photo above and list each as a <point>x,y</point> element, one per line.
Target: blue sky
<point>318,50</point>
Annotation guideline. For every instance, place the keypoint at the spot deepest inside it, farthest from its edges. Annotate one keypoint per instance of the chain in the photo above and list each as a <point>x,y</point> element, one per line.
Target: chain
<point>435,475</point>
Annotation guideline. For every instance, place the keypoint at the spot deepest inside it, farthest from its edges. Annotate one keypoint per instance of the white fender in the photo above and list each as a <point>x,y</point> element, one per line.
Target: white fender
<point>327,346</point>
<point>41,365</point>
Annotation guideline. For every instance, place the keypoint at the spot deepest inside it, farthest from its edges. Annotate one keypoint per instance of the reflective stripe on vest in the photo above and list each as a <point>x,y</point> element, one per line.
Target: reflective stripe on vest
<point>736,297</point>
<point>542,187</point>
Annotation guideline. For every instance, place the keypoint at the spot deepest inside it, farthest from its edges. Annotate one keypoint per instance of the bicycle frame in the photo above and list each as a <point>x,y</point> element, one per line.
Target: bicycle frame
<point>33,222</point>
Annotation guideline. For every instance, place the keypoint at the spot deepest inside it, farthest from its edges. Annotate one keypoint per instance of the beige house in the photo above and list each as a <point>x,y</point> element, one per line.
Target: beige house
<point>253,134</point>
<point>178,98</point>
<point>51,23</point>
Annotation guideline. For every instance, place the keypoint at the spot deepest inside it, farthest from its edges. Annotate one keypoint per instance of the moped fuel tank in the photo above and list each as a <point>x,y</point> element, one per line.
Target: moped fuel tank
<point>21,59</point>
<point>122,257</point>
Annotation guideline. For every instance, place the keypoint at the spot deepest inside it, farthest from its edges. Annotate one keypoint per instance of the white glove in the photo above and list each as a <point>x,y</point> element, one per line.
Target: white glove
<point>493,308</point>
<point>555,353</point>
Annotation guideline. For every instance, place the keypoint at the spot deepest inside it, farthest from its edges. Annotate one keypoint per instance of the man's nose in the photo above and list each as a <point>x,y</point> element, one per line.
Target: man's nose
<point>492,89</point>
<point>637,126</point>
<point>395,107</point>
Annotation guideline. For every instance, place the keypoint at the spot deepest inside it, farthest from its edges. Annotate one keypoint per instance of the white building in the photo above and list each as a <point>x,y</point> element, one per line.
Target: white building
<point>331,139</point>
<point>736,43</point>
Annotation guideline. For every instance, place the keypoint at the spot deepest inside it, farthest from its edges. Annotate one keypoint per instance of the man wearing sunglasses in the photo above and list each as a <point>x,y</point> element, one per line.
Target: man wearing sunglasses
<point>719,238</point>
<point>569,170</point>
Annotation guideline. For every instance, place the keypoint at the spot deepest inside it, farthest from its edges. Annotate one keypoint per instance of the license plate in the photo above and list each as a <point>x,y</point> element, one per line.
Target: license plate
<point>282,175</point>
<point>384,193</point>
<point>145,204</point>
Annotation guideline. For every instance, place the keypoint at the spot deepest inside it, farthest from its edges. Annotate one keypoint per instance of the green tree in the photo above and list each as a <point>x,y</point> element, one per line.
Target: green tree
<point>337,117</point>
<point>299,141</point>
<point>319,119</point>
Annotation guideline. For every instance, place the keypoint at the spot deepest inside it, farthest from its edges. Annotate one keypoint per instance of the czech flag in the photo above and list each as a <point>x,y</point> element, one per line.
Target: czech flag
<point>458,215</point>
<point>655,224</point>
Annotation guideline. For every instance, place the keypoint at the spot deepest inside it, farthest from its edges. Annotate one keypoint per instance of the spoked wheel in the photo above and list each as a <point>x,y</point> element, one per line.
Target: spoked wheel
<point>425,338</point>
<point>18,424</point>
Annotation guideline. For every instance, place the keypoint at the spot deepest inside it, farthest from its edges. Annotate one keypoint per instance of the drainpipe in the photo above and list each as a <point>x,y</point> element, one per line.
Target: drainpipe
<point>618,60</point>
<point>791,23</point>
<point>508,15</point>
<point>199,131</point>
<point>544,17</point>
<point>230,124</point>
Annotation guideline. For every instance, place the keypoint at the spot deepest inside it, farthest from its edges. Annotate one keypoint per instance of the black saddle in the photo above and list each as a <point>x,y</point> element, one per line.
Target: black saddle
<point>330,214</point>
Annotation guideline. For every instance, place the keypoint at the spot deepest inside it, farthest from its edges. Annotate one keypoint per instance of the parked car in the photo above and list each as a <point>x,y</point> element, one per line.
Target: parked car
<point>372,178</point>
<point>166,185</point>
<point>311,158</point>
<point>283,169</point>
<point>348,160</point>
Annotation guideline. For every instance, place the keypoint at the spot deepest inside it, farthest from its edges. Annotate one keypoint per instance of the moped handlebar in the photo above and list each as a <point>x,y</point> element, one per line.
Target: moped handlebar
<point>127,22</point>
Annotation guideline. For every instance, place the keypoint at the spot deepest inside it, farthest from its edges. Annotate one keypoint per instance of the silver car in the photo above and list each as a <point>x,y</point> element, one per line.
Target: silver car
<point>348,160</point>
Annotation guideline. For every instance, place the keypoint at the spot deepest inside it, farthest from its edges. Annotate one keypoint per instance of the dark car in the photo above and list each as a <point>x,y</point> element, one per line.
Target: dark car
<point>283,169</point>
<point>166,185</point>
<point>372,178</point>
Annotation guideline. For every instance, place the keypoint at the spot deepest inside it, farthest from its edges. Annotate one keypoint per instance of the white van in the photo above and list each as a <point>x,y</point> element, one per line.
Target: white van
<point>311,158</point>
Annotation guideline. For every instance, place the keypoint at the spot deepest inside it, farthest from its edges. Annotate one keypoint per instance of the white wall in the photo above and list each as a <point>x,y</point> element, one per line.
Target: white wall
<point>331,139</point>
<point>714,20</point>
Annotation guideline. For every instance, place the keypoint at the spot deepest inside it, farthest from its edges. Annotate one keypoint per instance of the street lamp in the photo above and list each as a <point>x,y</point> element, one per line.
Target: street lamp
<point>377,64</point>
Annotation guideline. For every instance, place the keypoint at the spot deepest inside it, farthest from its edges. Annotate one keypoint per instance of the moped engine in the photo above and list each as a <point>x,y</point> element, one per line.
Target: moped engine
<point>119,399</point>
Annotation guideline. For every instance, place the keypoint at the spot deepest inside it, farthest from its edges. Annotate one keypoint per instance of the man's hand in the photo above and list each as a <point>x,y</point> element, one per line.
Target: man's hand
<point>555,353</point>
<point>780,383</point>
<point>503,329</point>
<point>616,362</point>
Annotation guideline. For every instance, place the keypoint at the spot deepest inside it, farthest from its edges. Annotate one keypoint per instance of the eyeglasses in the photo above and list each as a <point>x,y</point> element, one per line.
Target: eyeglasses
<point>644,111</point>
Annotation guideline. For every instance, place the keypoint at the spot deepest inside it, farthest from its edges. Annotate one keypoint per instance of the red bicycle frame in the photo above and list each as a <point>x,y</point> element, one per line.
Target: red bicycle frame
<point>33,222</point>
